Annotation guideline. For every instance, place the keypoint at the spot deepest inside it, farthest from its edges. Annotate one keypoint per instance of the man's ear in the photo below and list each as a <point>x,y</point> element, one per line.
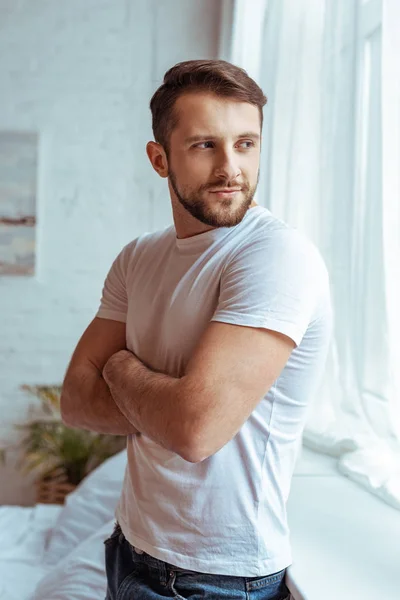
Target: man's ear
<point>158,158</point>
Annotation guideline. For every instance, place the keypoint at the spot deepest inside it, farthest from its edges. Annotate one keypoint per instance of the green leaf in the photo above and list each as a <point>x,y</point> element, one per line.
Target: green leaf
<point>48,445</point>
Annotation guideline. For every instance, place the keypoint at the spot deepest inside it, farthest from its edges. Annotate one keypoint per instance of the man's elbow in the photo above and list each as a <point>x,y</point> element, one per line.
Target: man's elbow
<point>188,453</point>
<point>66,411</point>
<point>192,455</point>
<point>206,440</point>
<point>193,448</point>
<point>71,403</point>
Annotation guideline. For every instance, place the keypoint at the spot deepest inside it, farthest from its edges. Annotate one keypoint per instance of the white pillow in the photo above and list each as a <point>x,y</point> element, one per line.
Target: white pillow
<point>24,531</point>
<point>81,575</point>
<point>92,504</point>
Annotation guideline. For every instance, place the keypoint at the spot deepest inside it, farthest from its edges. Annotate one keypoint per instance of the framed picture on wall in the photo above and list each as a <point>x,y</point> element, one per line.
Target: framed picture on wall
<point>18,168</point>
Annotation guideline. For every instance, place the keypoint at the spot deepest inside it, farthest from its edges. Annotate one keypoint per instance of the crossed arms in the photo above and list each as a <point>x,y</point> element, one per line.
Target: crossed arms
<point>109,390</point>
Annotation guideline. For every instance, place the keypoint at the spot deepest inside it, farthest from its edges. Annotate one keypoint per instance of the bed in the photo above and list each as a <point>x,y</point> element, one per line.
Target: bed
<point>50,552</point>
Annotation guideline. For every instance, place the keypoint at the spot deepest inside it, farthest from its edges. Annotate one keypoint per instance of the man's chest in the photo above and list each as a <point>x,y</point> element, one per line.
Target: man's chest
<point>168,310</point>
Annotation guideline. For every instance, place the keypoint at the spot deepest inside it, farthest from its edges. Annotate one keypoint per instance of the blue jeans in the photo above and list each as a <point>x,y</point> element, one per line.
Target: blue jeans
<point>137,576</point>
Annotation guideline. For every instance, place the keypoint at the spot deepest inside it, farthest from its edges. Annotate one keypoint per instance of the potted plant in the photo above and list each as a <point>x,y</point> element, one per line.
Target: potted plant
<point>59,456</point>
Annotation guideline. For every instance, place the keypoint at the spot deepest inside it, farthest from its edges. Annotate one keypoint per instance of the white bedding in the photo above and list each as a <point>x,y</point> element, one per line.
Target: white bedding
<point>24,533</point>
<point>51,552</point>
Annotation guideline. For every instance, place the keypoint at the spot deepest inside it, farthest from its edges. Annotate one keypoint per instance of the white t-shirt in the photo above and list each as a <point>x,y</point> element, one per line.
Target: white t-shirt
<point>226,514</point>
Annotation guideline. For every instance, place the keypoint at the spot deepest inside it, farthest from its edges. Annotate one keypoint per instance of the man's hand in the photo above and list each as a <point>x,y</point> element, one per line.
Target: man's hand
<point>146,398</point>
<point>119,372</point>
<point>117,364</point>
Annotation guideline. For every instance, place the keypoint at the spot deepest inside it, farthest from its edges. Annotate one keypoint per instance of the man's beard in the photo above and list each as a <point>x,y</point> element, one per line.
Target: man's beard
<point>214,216</point>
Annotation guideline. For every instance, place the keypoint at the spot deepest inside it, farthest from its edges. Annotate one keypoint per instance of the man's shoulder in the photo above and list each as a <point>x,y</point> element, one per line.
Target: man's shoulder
<point>141,246</point>
<point>270,244</point>
<point>266,231</point>
<point>150,239</point>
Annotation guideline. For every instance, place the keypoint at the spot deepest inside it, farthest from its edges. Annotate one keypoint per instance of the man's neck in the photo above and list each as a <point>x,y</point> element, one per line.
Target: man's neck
<point>186,225</point>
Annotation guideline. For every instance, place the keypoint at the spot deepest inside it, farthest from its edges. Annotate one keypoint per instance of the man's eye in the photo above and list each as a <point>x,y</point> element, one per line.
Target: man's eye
<point>204,145</point>
<point>246,144</point>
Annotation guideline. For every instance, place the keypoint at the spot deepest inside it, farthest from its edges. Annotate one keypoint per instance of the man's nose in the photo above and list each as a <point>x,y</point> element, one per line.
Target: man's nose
<point>227,167</point>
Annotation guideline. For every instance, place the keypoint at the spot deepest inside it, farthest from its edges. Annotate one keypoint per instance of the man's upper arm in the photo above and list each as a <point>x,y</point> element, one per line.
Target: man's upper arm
<point>232,368</point>
<point>101,339</point>
<point>268,295</point>
<point>106,334</point>
<point>86,400</point>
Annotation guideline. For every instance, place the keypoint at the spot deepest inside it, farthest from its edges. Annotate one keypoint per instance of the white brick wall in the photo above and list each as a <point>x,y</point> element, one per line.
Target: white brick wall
<point>81,73</point>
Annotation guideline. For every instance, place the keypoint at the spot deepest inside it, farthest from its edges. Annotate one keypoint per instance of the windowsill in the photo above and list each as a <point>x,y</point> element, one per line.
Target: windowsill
<point>345,541</point>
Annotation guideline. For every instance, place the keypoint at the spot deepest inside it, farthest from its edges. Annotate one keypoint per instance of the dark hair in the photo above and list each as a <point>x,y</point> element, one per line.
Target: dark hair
<point>216,76</point>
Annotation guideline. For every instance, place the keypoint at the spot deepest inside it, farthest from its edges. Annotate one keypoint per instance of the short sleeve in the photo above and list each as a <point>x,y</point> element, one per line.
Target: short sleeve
<point>275,282</point>
<point>114,299</point>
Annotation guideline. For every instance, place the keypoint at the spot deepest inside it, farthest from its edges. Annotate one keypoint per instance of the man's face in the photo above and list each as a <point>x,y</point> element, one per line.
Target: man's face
<point>214,156</point>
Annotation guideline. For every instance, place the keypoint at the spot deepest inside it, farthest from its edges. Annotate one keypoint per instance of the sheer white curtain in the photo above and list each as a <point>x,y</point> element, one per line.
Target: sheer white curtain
<point>330,167</point>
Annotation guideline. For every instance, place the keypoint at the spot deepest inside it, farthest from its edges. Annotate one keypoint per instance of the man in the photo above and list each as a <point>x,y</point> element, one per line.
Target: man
<point>208,345</point>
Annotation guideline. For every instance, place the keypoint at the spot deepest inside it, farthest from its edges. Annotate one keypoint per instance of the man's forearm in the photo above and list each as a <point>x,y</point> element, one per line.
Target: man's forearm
<point>149,400</point>
<point>86,403</point>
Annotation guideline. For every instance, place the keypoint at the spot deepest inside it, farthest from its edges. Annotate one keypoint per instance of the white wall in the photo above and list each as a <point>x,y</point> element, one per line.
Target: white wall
<point>81,73</point>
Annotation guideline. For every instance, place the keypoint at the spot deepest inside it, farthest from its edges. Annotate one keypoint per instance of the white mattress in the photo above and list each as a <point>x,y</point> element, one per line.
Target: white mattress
<point>24,532</point>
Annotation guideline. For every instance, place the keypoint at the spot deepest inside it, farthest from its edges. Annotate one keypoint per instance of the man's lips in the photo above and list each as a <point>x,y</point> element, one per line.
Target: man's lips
<point>226,191</point>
